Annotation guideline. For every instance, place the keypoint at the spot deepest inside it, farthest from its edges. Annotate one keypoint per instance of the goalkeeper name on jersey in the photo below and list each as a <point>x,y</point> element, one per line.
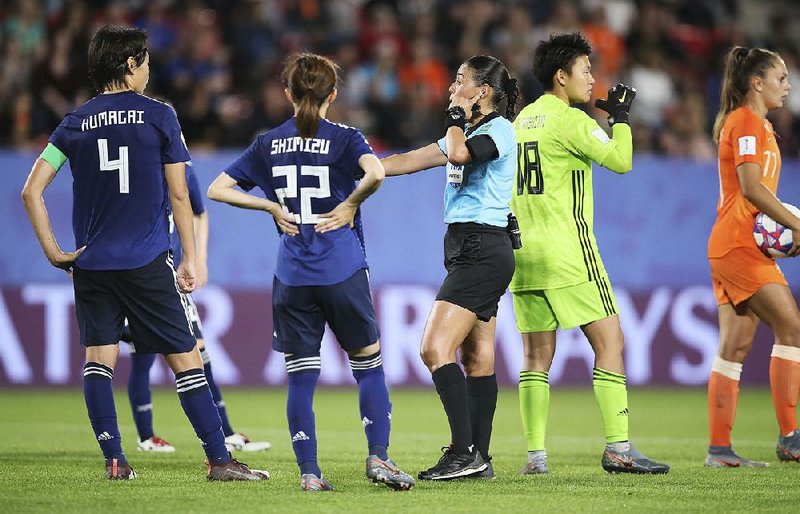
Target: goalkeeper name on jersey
<point>553,197</point>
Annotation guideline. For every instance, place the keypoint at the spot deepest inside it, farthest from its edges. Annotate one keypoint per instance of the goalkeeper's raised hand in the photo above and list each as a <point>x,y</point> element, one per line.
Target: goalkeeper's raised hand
<point>618,103</point>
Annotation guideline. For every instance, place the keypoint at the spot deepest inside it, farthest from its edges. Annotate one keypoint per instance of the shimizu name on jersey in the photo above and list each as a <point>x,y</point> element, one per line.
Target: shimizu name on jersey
<point>105,118</point>
<point>298,144</point>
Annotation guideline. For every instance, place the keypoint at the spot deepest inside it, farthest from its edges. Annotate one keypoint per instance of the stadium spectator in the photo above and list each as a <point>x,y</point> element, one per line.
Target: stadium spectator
<point>211,58</point>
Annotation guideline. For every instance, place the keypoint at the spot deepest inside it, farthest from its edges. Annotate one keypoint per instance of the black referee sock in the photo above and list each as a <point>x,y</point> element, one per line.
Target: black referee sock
<point>452,388</point>
<point>482,393</point>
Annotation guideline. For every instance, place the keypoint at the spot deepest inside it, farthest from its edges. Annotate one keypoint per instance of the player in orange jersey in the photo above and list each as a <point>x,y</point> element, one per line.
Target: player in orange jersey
<point>748,285</point>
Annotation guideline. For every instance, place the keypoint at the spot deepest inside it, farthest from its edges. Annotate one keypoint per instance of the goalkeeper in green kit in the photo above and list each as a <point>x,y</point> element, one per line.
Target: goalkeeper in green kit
<point>560,280</point>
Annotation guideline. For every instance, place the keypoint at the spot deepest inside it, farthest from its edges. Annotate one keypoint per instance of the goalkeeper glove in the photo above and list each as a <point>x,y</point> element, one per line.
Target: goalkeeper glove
<point>618,103</point>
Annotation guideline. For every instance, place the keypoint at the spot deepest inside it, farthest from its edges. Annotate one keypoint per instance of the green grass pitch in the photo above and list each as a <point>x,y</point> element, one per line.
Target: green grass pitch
<point>49,461</point>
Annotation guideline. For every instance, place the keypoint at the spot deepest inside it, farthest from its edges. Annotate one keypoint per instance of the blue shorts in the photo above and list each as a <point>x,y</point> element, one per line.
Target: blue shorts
<point>299,314</point>
<point>148,296</point>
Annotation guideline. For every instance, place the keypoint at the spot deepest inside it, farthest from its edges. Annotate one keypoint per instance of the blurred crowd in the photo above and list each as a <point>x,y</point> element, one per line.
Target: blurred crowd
<point>218,61</point>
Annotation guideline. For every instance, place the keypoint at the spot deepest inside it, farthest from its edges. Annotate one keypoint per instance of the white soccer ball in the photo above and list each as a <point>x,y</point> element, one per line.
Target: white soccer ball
<point>771,237</point>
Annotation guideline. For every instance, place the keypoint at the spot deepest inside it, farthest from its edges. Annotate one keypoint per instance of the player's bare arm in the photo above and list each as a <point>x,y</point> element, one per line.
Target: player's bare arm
<point>223,189</point>
<point>201,246</point>
<point>182,215</point>
<point>345,212</point>
<point>42,174</point>
<point>416,160</point>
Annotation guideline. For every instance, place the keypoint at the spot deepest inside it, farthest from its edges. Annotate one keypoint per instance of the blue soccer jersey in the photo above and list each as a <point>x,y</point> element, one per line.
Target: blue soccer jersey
<point>309,177</point>
<point>480,192</point>
<point>117,146</point>
<point>198,208</point>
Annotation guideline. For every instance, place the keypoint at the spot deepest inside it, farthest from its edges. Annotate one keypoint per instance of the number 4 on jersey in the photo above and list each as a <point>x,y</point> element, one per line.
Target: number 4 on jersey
<point>529,169</point>
<point>121,164</point>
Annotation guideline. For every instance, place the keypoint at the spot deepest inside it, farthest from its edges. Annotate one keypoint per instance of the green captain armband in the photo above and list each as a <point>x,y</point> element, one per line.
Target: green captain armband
<point>53,156</point>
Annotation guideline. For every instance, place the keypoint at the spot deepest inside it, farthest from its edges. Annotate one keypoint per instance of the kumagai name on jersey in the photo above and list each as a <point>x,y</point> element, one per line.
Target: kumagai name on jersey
<point>102,119</point>
<point>121,204</point>
<point>553,198</point>
<point>308,183</point>
<point>479,192</point>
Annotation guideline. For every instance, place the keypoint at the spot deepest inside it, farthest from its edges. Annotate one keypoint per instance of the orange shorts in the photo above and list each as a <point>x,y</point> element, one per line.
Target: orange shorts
<point>741,273</point>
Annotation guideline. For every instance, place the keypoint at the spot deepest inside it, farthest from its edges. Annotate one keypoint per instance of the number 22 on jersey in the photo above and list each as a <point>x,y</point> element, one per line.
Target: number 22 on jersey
<point>306,216</point>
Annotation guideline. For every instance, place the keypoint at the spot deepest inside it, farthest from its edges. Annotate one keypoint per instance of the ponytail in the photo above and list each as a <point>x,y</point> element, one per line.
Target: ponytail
<point>311,79</point>
<point>512,93</point>
<point>491,71</point>
<point>741,65</point>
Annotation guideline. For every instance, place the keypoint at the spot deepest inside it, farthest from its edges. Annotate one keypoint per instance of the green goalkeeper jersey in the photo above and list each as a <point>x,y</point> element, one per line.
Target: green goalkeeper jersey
<point>553,198</point>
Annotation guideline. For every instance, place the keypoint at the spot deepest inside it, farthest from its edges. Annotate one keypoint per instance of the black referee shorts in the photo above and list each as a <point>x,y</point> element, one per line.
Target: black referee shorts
<point>147,296</point>
<point>480,263</point>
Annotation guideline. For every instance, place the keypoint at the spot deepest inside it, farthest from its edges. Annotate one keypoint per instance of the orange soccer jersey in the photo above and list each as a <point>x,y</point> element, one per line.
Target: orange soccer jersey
<point>745,137</point>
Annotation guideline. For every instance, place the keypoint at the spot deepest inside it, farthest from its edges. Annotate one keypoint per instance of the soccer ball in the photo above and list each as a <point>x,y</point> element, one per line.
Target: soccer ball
<point>772,238</point>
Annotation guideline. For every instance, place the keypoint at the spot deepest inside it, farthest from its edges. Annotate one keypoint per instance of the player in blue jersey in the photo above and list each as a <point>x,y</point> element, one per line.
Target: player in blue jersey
<point>479,150</point>
<point>127,156</point>
<point>139,393</point>
<point>307,168</point>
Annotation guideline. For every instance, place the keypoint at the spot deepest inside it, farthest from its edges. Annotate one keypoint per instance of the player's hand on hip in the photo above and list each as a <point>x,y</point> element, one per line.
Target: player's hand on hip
<point>187,279</point>
<point>342,215</point>
<point>285,221</point>
<point>618,103</point>
<point>66,260</point>
<point>794,250</point>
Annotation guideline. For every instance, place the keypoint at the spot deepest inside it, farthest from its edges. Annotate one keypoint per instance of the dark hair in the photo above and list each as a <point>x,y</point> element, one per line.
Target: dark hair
<point>491,71</point>
<point>741,65</point>
<point>311,78</point>
<point>108,55</point>
<point>558,53</point>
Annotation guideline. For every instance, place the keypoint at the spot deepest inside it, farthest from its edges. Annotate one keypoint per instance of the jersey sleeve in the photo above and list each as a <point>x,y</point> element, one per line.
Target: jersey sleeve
<point>195,196</point>
<point>582,135</point>
<point>359,145</point>
<point>244,170</point>
<point>442,146</point>
<point>504,137</point>
<point>746,134</point>
<point>59,138</point>
<point>173,148</point>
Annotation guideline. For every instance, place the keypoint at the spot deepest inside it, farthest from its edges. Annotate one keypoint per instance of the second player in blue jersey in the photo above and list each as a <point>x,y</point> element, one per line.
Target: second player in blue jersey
<point>308,168</point>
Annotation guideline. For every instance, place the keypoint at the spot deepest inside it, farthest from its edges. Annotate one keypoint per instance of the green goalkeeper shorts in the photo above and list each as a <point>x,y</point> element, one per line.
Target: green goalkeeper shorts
<point>544,310</point>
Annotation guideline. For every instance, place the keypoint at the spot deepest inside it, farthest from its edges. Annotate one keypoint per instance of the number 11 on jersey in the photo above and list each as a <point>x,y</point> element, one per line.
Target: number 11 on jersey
<point>121,164</point>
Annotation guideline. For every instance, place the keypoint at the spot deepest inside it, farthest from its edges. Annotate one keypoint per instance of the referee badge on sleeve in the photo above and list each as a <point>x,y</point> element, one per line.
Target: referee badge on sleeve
<point>455,176</point>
